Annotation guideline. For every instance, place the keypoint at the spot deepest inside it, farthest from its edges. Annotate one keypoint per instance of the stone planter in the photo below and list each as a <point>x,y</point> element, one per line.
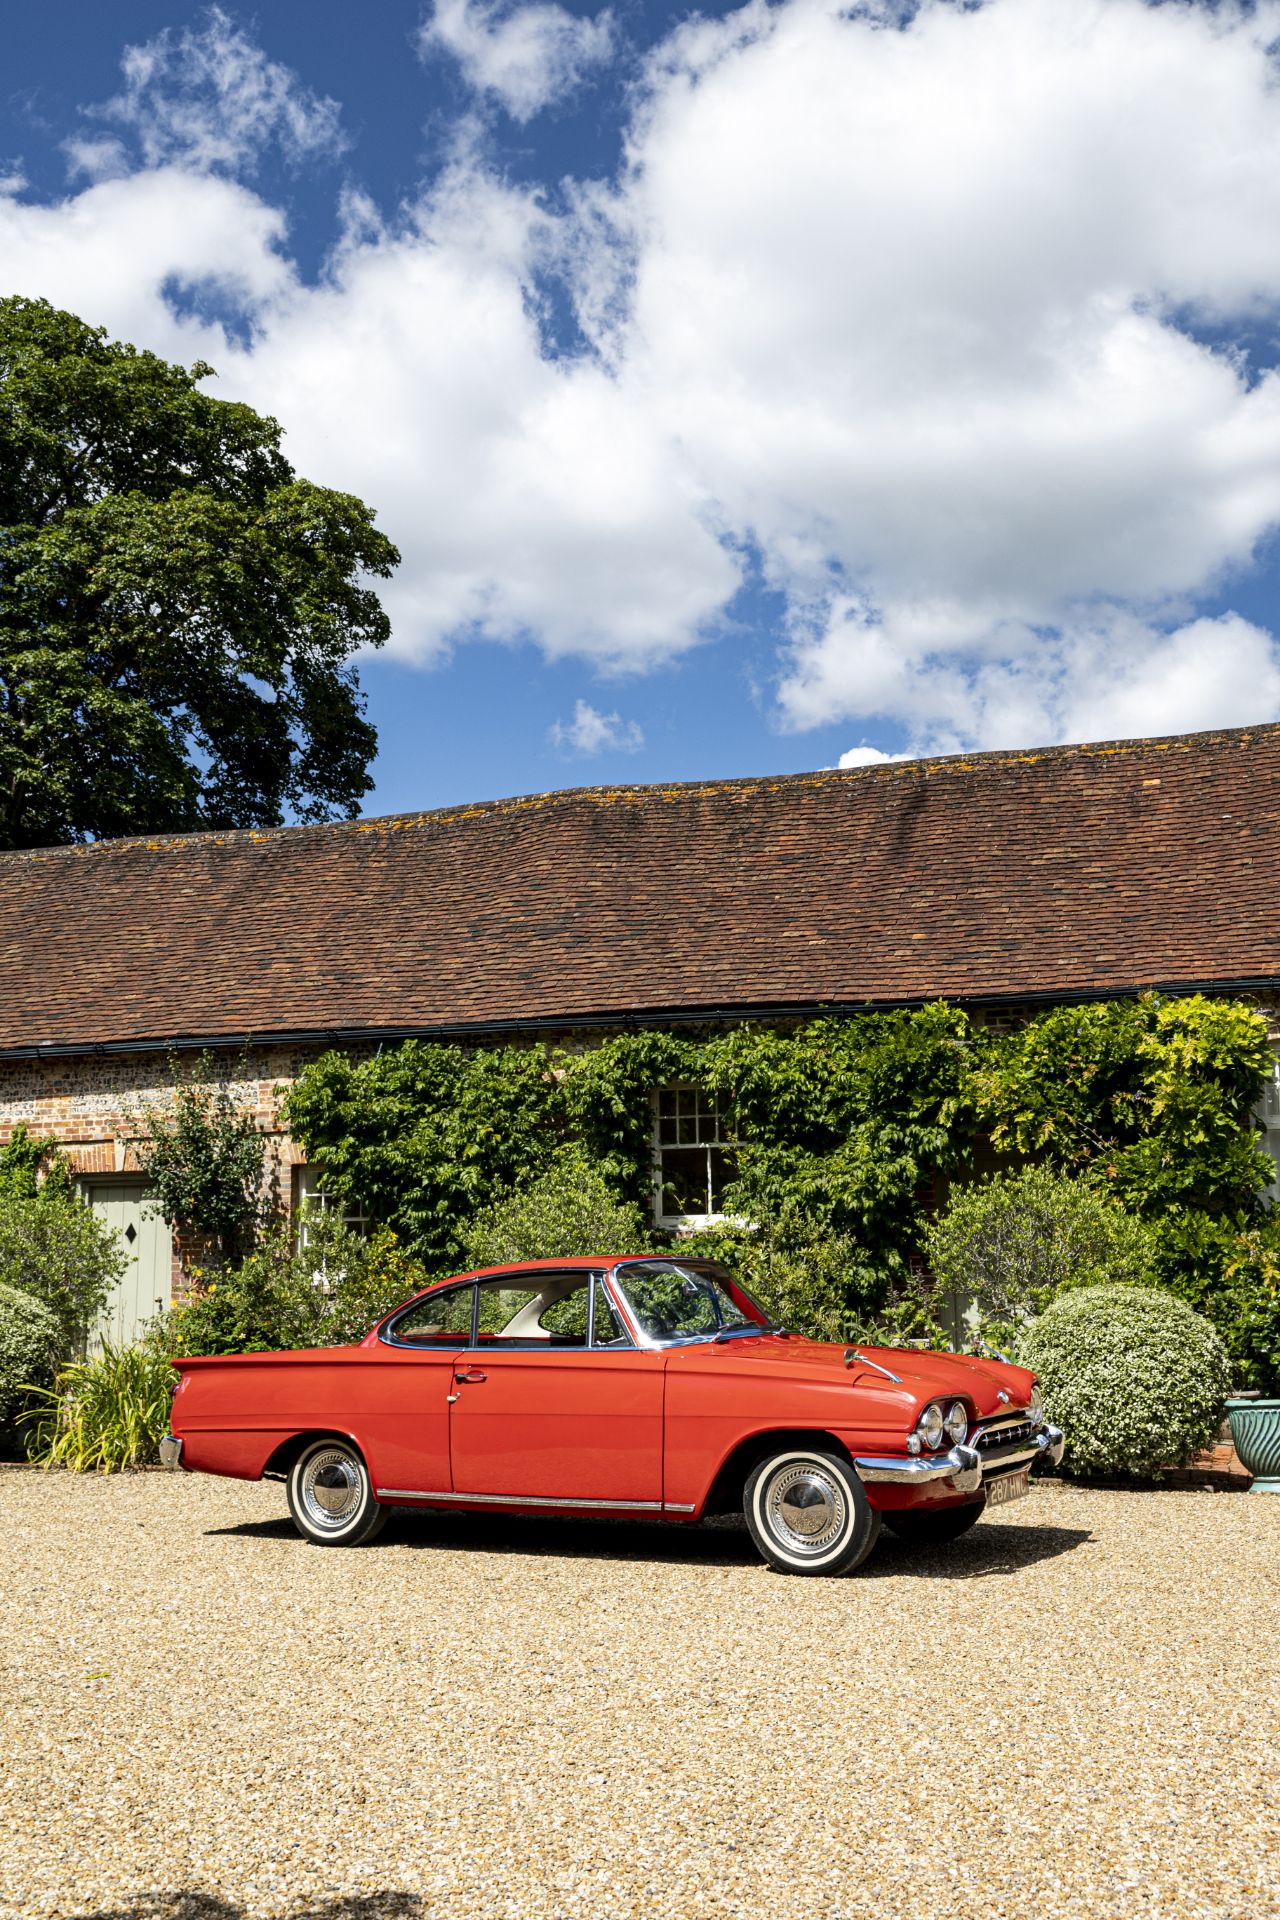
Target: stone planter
<point>1255,1429</point>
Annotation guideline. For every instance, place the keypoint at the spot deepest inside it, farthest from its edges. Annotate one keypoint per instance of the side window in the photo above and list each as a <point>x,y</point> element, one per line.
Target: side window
<point>566,1318</point>
<point>502,1311</point>
<point>441,1320</point>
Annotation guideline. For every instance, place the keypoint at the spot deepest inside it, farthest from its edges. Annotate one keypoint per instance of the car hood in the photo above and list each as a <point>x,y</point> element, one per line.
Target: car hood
<point>989,1385</point>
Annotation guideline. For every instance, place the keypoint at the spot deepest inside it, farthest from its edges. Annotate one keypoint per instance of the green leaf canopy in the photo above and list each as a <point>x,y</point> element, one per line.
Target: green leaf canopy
<point>178,609</point>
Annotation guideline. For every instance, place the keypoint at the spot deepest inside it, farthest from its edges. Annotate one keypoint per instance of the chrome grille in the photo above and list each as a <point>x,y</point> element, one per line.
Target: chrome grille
<point>1010,1431</point>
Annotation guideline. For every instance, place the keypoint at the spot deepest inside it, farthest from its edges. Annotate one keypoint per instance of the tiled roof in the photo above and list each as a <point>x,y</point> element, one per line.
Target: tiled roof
<point>1074,871</point>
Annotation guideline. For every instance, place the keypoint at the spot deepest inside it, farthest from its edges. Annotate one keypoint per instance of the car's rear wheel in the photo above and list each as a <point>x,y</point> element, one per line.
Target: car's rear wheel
<point>922,1528</point>
<point>807,1512</point>
<point>331,1496</point>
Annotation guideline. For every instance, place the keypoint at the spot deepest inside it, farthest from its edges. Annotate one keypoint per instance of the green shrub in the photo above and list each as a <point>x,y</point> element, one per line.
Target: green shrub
<point>811,1280</point>
<point>568,1210</point>
<point>1003,1248</point>
<point>54,1247</point>
<point>104,1414</point>
<point>1247,1309</point>
<point>204,1157</point>
<point>324,1290</point>
<point>30,1348</point>
<point>1136,1379</point>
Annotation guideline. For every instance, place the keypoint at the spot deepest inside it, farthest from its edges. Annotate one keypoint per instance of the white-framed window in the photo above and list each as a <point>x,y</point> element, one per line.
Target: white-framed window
<point>308,1192</point>
<point>1268,1111</point>
<point>692,1157</point>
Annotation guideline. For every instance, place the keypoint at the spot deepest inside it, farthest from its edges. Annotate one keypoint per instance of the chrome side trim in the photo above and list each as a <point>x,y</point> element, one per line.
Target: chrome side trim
<point>170,1451</point>
<point>523,1500</point>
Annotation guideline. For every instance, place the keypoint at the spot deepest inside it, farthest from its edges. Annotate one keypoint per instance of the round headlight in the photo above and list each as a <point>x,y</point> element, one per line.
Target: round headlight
<point>1035,1405</point>
<point>957,1423</point>
<point>931,1425</point>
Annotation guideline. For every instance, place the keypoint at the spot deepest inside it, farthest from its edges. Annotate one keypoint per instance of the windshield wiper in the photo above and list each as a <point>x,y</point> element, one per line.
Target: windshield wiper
<point>736,1333</point>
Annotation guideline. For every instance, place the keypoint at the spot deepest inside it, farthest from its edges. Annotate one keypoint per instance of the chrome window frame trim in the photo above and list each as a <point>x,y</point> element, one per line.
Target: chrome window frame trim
<point>387,1329</point>
<point>615,1286</point>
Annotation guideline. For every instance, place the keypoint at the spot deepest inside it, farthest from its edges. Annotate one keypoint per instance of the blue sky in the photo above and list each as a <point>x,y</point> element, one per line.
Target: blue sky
<point>746,390</point>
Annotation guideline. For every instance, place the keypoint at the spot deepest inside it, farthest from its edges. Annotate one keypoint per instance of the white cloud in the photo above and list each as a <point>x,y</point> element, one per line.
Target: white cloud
<point>529,496</point>
<point>869,757</point>
<point>911,297</point>
<point>208,100</point>
<point>904,309</point>
<point>1110,677</point>
<point>528,58</point>
<point>591,732</point>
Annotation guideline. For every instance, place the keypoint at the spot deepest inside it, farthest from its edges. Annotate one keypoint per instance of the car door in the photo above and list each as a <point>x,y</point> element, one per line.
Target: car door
<point>405,1427</point>
<point>539,1420</point>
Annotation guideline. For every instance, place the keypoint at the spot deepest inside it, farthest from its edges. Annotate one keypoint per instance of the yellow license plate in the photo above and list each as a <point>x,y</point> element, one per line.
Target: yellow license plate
<point>1010,1486</point>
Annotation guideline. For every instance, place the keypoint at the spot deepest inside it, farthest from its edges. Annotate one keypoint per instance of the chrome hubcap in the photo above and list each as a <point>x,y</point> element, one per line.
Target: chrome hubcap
<point>806,1507</point>
<point>331,1488</point>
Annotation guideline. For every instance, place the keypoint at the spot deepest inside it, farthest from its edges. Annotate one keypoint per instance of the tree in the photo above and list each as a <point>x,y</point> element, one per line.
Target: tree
<point>205,1157</point>
<point>569,1210</point>
<point>177,608</point>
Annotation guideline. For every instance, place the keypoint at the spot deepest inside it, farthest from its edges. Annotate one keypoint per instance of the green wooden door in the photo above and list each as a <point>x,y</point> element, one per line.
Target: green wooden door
<point>146,1286</point>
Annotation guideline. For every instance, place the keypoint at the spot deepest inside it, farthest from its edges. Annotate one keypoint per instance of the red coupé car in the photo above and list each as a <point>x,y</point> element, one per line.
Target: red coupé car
<point>639,1386</point>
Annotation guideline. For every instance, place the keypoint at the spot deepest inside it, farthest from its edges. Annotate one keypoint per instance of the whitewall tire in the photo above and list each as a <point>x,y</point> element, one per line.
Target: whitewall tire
<point>807,1512</point>
<point>331,1496</point>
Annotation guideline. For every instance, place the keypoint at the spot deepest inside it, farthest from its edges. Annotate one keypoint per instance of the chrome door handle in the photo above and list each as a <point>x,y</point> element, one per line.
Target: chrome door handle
<point>472,1374</point>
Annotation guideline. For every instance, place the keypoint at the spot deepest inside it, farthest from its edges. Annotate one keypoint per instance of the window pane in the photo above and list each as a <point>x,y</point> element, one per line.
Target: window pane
<point>566,1318</point>
<point>442,1320</point>
<point>674,1302</point>
<point>684,1180</point>
<point>501,1305</point>
<point>722,1172</point>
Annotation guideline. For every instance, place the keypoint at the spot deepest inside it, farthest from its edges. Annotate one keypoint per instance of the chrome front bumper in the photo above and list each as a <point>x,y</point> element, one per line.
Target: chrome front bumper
<point>962,1468</point>
<point>170,1451</point>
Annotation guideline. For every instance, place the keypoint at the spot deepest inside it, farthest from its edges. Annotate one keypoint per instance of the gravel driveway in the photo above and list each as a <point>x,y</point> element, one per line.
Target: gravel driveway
<point>1074,1711</point>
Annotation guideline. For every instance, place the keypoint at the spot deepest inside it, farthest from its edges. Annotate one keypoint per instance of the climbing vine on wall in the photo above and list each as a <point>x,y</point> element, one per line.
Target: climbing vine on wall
<point>843,1126</point>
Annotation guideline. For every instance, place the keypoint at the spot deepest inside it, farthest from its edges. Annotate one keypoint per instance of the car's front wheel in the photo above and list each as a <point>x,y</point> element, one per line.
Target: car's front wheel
<point>331,1496</point>
<point>922,1528</point>
<point>807,1512</point>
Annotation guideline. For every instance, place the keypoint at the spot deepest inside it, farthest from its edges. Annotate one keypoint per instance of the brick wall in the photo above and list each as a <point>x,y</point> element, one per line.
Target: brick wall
<point>91,1104</point>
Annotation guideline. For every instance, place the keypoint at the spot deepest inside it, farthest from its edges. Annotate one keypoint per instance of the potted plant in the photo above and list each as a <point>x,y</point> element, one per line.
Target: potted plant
<point>1255,1430</point>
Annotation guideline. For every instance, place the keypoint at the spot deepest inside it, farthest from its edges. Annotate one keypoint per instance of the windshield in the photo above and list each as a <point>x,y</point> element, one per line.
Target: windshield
<point>672,1300</point>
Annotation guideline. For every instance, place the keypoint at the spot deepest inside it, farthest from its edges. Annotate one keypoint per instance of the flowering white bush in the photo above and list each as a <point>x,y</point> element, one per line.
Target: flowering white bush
<point>31,1344</point>
<point>1136,1378</point>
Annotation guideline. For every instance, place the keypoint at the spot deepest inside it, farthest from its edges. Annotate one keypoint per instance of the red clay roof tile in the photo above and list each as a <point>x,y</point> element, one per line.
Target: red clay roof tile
<point>1073,871</point>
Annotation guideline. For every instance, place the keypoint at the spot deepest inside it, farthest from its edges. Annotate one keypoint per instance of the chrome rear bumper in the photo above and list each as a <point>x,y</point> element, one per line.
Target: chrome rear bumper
<point>963,1468</point>
<point>170,1451</point>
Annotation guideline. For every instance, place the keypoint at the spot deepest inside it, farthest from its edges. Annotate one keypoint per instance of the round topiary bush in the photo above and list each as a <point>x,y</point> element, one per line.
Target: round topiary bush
<point>1134,1377</point>
<point>30,1348</point>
